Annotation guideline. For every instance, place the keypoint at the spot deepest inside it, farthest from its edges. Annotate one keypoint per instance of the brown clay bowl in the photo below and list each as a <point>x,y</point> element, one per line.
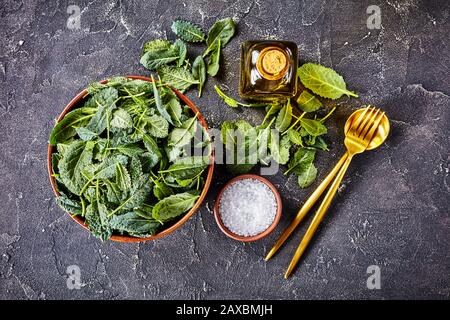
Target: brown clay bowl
<point>260,235</point>
<point>123,238</point>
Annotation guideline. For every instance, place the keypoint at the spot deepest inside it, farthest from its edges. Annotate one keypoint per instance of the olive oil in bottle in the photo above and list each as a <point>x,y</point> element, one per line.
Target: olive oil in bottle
<point>268,70</point>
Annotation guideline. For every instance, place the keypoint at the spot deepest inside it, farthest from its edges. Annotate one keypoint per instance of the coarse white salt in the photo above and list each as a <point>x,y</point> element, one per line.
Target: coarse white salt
<point>247,207</point>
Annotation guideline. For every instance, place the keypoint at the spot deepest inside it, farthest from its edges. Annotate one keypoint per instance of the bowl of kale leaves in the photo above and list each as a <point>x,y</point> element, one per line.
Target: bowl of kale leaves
<point>130,159</point>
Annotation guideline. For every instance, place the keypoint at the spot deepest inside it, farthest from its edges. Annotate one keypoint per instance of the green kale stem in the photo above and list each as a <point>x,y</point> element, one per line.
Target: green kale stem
<point>97,193</point>
<point>107,130</point>
<point>86,185</point>
<point>265,119</point>
<point>139,103</point>
<point>328,115</point>
<point>154,175</point>
<point>288,170</point>
<point>270,123</point>
<point>130,95</point>
<point>83,206</point>
<point>295,123</point>
<point>198,183</point>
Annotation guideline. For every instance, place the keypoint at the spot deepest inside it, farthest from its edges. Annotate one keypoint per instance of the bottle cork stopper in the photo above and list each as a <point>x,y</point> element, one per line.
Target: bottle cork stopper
<point>272,63</point>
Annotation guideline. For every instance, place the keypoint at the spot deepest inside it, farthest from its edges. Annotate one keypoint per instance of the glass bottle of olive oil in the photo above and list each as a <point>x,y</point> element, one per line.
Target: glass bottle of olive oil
<point>268,70</point>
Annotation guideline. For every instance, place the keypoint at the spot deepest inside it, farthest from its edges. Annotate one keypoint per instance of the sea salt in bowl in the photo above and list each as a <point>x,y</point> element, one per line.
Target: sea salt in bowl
<point>248,208</point>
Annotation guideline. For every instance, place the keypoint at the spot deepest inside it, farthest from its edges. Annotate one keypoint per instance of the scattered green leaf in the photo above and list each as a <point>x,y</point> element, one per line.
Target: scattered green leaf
<point>313,127</point>
<point>214,60</point>
<point>323,81</point>
<point>233,103</point>
<point>188,31</point>
<point>284,117</point>
<point>199,73</point>
<point>307,176</point>
<point>308,102</point>
<point>178,78</point>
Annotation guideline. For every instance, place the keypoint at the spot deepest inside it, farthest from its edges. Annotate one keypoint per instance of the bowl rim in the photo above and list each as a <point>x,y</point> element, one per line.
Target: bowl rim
<point>258,236</point>
<point>179,223</point>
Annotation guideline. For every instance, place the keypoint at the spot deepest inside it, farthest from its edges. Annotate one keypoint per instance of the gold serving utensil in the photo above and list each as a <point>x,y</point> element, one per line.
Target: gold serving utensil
<point>377,140</point>
<point>365,129</point>
<point>305,208</point>
<point>354,121</point>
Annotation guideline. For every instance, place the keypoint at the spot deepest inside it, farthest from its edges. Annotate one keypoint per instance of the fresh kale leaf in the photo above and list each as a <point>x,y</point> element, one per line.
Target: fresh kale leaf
<point>159,104</point>
<point>152,60</point>
<point>77,156</point>
<point>174,205</point>
<point>130,149</point>
<point>323,81</point>
<point>188,31</point>
<point>156,126</point>
<point>313,127</point>
<point>96,220</point>
<point>307,176</point>
<point>161,190</point>
<point>214,60</point>
<point>85,134</point>
<point>199,73</point>
<point>123,178</point>
<point>69,205</point>
<point>181,136</point>
<point>222,31</point>
<point>156,45</point>
<point>173,107</point>
<point>233,103</point>
<point>279,149</point>
<point>178,78</point>
<point>121,119</point>
<point>302,157</point>
<point>134,224</point>
<point>65,129</point>
<point>180,46</point>
<point>187,168</point>
<point>308,102</point>
<point>295,137</point>
<point>284,117</point>
<point>105,100</point>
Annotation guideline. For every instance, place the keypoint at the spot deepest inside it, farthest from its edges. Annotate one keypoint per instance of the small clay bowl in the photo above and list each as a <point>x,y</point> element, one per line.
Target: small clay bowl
<point>79,98</point>
<point>260,235</point>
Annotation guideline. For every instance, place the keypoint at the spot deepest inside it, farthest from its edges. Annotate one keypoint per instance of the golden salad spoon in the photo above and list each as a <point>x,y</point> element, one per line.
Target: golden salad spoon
<point>365,129</point>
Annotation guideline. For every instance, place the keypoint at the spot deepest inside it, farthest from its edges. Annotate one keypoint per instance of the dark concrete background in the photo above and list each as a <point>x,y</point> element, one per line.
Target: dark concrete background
<point>392,210</point>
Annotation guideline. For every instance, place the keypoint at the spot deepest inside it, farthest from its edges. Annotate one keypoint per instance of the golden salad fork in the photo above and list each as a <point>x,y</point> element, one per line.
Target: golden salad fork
<point>365,129</point>
<point>356,141</point>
